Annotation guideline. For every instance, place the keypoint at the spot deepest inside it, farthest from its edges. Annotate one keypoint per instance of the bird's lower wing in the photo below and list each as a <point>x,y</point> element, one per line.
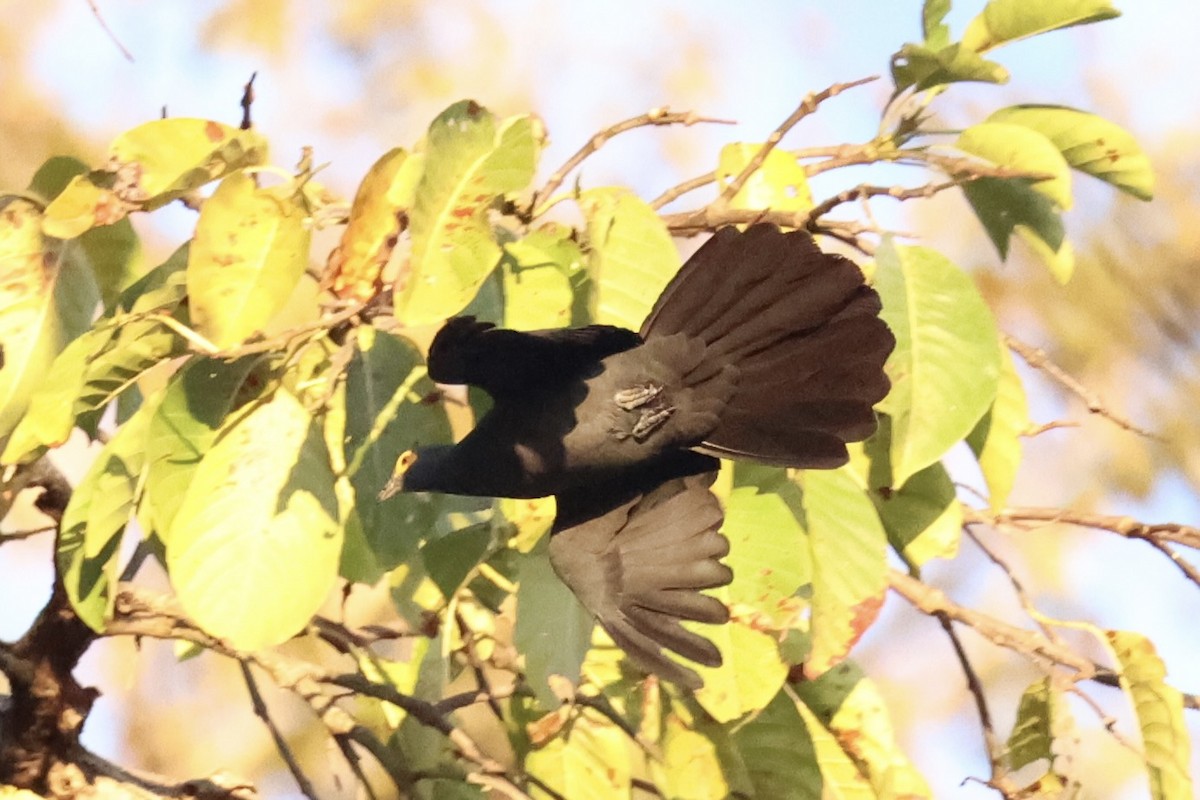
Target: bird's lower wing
<point>639,563</point>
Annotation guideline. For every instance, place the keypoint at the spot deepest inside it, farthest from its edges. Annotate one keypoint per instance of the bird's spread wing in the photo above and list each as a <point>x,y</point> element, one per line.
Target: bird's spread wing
<point>639,563</point>
<point>506,363</point>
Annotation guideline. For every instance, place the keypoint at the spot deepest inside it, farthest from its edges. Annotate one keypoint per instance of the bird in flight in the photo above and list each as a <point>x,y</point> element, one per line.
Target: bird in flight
<point>761,348</point>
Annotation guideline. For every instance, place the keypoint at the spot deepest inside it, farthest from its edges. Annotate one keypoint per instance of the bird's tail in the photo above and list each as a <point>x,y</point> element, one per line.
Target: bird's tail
<point>803,331</point>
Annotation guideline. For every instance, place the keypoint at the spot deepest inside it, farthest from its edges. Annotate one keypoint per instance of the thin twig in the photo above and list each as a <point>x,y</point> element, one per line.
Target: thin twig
<point>994,750</point>
<point>680,189</point>
<point>807,106</point>
<point>107,30</point>
<point>281,745</point>
<point>1031,644</point>
<point>1174,532</point>
<point>1018,587</point>
<point>16,536</point>
<point>1037,358</point>
<point>656,116</point>
<point>864,191</point>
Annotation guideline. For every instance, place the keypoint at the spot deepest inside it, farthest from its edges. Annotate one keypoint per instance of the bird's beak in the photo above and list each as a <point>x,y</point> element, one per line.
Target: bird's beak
<point>396,484</point>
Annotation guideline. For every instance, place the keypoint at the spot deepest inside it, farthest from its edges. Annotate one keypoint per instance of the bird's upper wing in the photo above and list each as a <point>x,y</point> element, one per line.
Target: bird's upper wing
<point>638,561</point>
<point>506,362</point>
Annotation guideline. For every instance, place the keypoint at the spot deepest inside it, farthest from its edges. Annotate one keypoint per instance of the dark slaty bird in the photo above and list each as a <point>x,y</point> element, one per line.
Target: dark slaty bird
<point>762,348</point>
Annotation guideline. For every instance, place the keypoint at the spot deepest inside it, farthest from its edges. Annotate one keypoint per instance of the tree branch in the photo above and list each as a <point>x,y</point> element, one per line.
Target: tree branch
<point>656,116</point>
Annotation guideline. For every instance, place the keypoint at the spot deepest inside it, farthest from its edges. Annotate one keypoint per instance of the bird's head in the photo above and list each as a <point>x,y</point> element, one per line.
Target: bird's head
<point>395,484</point>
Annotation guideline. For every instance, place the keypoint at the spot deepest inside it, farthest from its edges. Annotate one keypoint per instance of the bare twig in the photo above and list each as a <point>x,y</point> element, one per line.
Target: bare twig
<point>683,188</point>
<point>247,101</point>
<point>281,745</point>
<point>108,31</point>
<point>656,116</point>
<point>1018,587</point>
<point>1031,644</point>
<point>1173,532</point>
<point>865,191</point>
<point>994,749</point>
<point>807,106</point>
<point>16,536</point>
<point>1037,358</point>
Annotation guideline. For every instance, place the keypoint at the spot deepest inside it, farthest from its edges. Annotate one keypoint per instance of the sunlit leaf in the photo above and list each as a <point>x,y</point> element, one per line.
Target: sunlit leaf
<point>631,256</point>
<point>95,518</point>
<point>1023,149</point>
<point>589,760</point>
<point>850,706</point>
<point>258,529</point>
<point>849,557</point>
<point>149,166</point>
<point>400,675</point>
<point>780,183</point>
<point>937,32</point>
<point>469,162</point>
<point>250,249</point>
<point>839,772</point>
<point>379,215</point>
<point>750,674</point>
<point>1089,143</point>
<point>690,769</point>
<point>1005,205</point>
<point>1159,710</point>
<point>996,440</point>
<point>1032,737</point>
<point>924,67</point>
<point>769,556</point>
<point>45,302</point>
<point>540,274</point>
<point>923,518</point>
<point>185,426</point>
<point>1003,21</point>
<point>946,365</point>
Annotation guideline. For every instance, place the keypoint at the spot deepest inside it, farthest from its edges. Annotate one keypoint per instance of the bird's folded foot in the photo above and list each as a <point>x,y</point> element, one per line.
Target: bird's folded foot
<point>636,396</point>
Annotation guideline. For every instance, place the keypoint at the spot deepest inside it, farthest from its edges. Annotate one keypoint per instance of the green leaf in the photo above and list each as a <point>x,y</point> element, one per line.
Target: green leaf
<point>751,671</point>
<point>450,560</point>
<point>849,556</point>
<point>923,518</point>
<point>258,529</point>
<point>390,406</point>
<point>631,256</point>
<point>468,164</point>
<point>554,630</point>
<point>769,555</point>
<point>937,32</point>
<point>1022,149</point>
<point>45,302</point>
<point>377,217</point>
<point>924,67</point>
<point>946,365</point>
<point>996,440</point>
<point>194,407</point>
<point>690,768</point>
<point>1089,143</point>
<point>250,249</point>
<point>589,760</point>
<point>780,182</point>
<point>92,371</point>
<point>1033,733</point>
<point>1159,710</point>
<point>839,773</point>
<point>400,675</point>
<point>779,753</point>
<point>541,272</point>
<point>1003,21</point>
<point>149,166</point>
<point>101,505</point>
<point>851,708</point>
<point>1005,205</point>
